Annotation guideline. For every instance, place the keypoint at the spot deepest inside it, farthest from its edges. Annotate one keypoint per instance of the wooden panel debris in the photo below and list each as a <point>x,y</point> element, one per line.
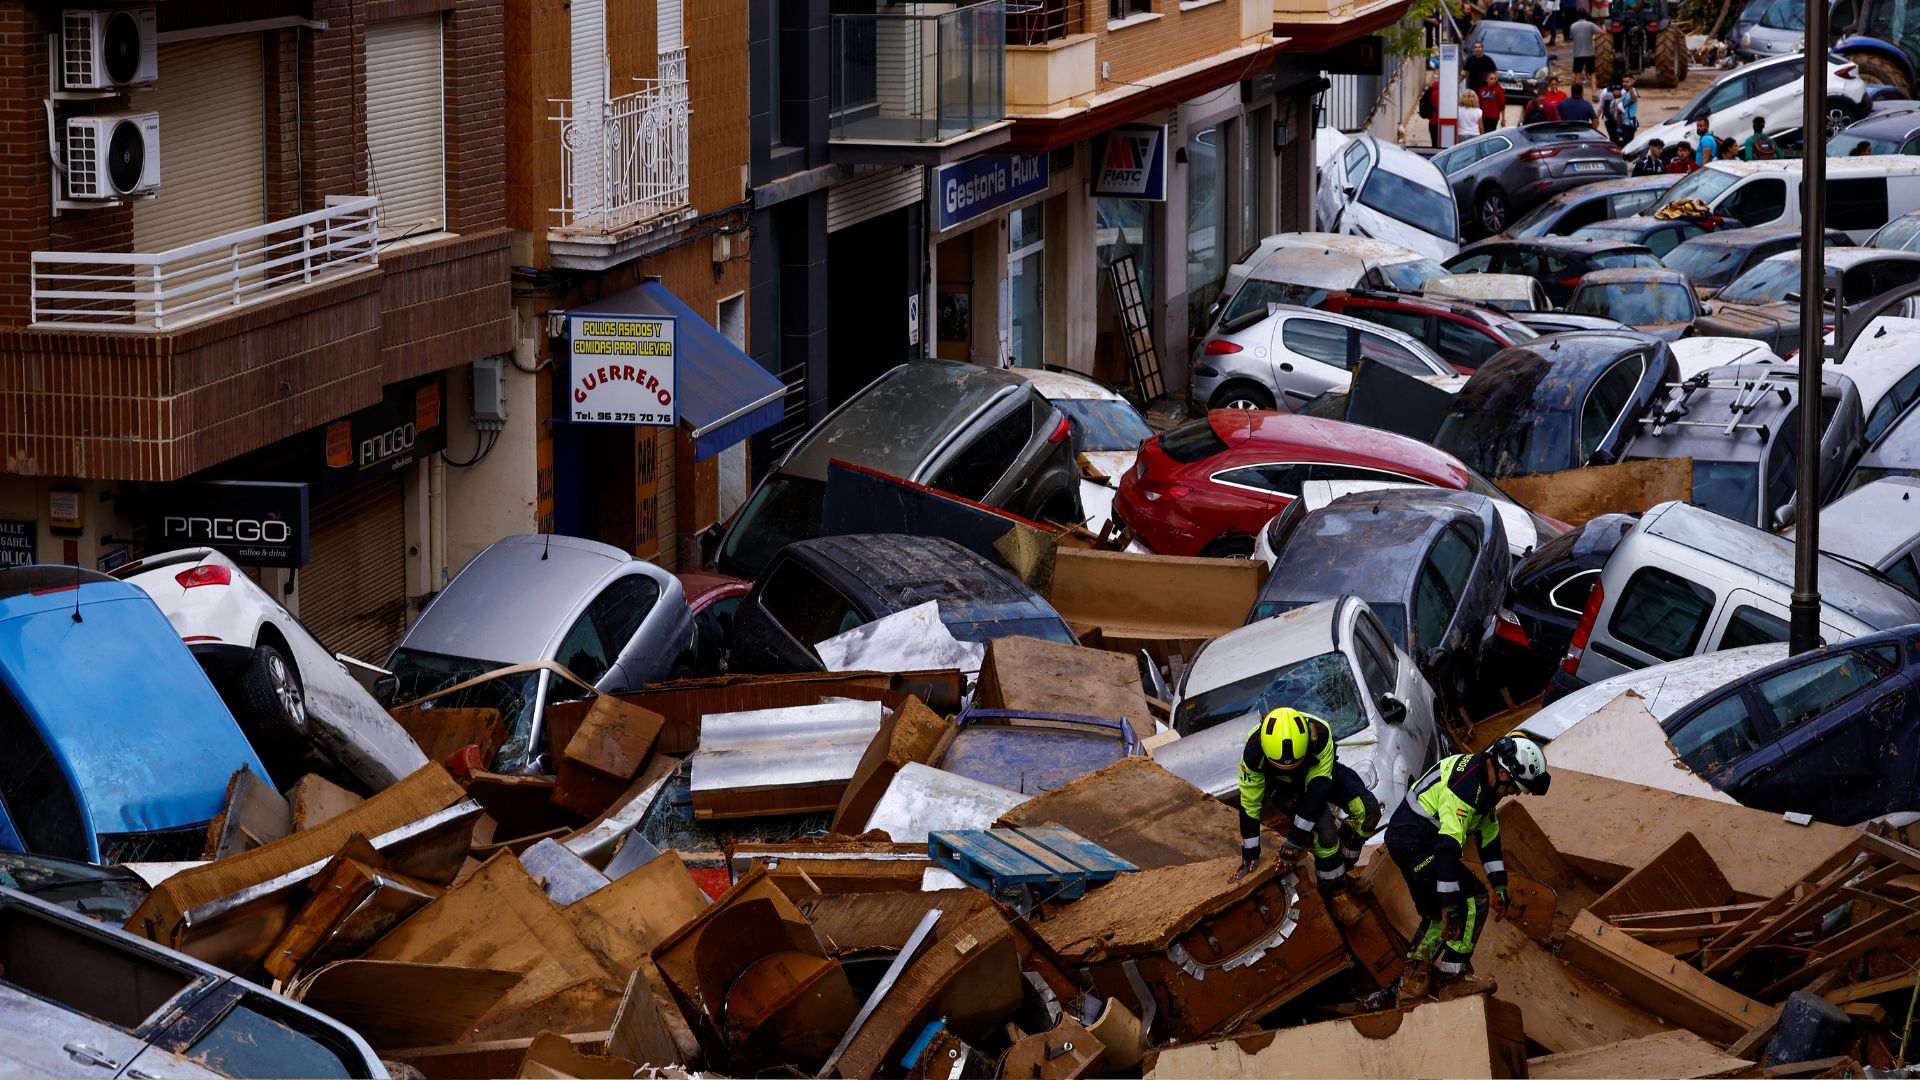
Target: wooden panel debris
<point>355,901</point>
<point>684,703</point>
<point>1577,496</point>
<point>551,1056</point>
<point>1472,1037</point>
<point>1193,598</point>
<point>394,1004</point>
<point>649,1028</point>
<point>255,815</point>
<point>1681,875</point>
<point>607,750</point>
<point>1025,673</point>
<point>316,799</point>
<point>1140,812</point>
<point>440,731</point>
<point>623,921</point>
<point>910,733</point>
<point>1658,982</point>
<point>1678,1054</point>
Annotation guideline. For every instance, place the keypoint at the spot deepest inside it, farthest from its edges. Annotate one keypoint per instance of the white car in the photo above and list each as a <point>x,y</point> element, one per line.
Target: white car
<point>299,706</point>
<point>1285,356</point>
<point>1525,529</point>
<point>1694,355</point>
<point>1884,363</point>
<point>1332,659</point>
<point>1368,187</point>
<point>1107,432</point>
<point>1667,688</point>
<point>1769,89</point>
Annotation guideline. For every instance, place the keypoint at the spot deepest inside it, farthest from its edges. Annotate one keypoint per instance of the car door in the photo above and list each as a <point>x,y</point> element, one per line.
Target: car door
<point>619,612</point>
<point>1380,349</point>
<point>1728,95</point>
<point>1311,357</point>
<point>1408,747</point>
<point>1444,577</point>
<point>973,468</point>
<point>1264,486</point>
<point>1465,344</point>
<point>1603,410</point>
<point>795,609</point>
<point>1828,729</point>
<point>1774,96</point>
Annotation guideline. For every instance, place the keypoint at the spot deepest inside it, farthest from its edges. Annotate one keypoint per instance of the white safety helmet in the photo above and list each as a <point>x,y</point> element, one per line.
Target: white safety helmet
<point>1524,761</point>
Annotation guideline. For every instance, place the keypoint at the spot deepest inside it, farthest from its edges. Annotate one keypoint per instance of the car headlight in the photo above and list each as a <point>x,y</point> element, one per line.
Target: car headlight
<point>1540,76</point>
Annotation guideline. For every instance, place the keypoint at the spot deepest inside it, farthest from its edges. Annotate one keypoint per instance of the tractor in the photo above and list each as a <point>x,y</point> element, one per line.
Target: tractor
<point>1636,35</point>
<point>1880,36</point>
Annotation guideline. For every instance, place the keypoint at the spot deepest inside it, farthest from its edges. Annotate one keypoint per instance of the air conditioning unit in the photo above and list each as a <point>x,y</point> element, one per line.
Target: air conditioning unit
<point>108,48</point>
<point>112,155</point>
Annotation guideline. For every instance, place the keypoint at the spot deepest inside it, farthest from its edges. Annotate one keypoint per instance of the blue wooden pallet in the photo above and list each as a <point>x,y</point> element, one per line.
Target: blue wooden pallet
<point>1026,866</point>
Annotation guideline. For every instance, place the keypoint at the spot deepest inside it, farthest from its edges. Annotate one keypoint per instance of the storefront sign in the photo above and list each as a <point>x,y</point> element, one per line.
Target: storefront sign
<point>254,523</point>
<point>65,510</point>
<point>407,425</point>
<point>19,543</point>
<point>622,370</point>
<point>979,185</point>
<point>1132,163</point>
<point>1361,56</point>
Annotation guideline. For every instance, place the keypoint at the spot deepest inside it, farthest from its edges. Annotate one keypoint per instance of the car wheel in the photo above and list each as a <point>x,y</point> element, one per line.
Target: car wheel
<point>271,691</point>
<point>1840,115</point>
<point>1490,209</point>
<point>1878,69</point>
<point>1242,395</point>
<point>1230,547</point>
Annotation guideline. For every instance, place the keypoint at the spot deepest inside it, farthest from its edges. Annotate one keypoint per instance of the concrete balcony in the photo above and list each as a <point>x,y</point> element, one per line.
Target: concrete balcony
<point>623,172</point>
<point>1317,25</point>
<point>913,88</point>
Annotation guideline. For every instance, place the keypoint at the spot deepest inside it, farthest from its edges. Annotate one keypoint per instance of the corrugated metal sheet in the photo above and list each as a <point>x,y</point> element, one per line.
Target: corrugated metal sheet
<point>870,196</point>
<point>746,754</point>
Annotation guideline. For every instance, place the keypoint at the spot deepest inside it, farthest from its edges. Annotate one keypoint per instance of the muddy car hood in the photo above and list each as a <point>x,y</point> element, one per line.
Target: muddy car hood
<point>1763,321</point>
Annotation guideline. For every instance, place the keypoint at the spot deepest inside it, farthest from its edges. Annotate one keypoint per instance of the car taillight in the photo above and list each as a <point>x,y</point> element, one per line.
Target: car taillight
<point>1154,491</point>
<point>1507,628</point>
<point>1541,153</point>
<point>1846,72</point>
<point>1569,282</point>
<point>1060,431</point>
<point>1220,347</point>
<point>1581,632</point>
<point>204,574</point>
<point>199,637</point>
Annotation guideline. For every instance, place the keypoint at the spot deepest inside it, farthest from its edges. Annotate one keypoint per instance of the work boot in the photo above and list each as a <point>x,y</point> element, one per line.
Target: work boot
<point>1356,883</point>
<point>1346,910</point>
<point>1415,980</point>
<point>1464,985</point>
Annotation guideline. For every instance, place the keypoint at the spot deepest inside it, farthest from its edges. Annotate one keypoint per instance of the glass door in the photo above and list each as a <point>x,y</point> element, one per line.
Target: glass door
<point>1026,275</point>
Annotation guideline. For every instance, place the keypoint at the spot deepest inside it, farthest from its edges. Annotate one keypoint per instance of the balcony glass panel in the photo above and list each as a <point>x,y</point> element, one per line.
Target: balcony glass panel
<point>918,77</point>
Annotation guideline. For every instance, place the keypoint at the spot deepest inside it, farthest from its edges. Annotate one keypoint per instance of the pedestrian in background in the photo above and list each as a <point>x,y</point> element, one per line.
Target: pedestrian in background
<point>1475,69</point>
<point>1550,20</point>
<point>1578,110</point>
<point>1681,159</point>
<point>1654,161</point>
<point>1469,123</point>
<point>1629,110</point>
<point>1430,109</point>
<point>1493,103</point>
<point>1709,147</point>
<point>1581,34</point>
<point>1758,147</point>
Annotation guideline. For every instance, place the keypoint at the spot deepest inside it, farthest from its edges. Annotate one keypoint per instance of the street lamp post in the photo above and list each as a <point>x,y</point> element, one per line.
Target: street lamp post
<point>1804,633</point>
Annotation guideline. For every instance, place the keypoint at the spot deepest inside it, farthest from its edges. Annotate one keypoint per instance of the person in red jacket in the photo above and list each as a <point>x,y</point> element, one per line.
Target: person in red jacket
<point>1493,103</point>
<point>1680,158</point>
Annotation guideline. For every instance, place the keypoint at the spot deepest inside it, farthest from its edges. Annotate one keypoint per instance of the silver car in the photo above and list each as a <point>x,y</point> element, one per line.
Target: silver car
<point>81,998</point>
<point>1877,524</point>
<point>613,621</point>
<point>1285,356</point>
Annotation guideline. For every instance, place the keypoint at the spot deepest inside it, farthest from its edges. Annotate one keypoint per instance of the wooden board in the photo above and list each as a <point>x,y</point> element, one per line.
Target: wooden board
<point>1471,1037</point>
<point>1659,983</point>
<point>683,703</point>
<point>493,1057</point>
<point>1679,1054</point>
<point>552,1055</point>
<point>607,750</point>
<point>1193,597</point>
<point>441,731</point>
<point>316,799</point>
<point>970,975</point>
<point>1576,496</point>
<point>911,732</point>
<point>622,921</point>
<point>1049,676</point>
<point>1564,1009</point>
<point>395,1004</point>
<point>1140,812</point>
<point>255,816</point>
<point>1606,828</point>
<point>649,1027</point>
<point>1681,876</point>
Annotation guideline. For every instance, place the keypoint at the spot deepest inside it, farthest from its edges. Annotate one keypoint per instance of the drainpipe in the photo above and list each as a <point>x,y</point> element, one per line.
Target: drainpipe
<point>436,523</point>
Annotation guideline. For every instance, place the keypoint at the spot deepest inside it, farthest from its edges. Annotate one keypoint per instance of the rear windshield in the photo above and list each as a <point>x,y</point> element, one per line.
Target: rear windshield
<point>1728,488</point>
<point>1767,283</point>
<point>1193,442</point>
<point>1104,425</point>
<point>1249,305</point>
<point>1636,303</point>
<point>1708,266</point>
<point>1614,260</point>
<point>785,509</point>
<point>1410,201</point>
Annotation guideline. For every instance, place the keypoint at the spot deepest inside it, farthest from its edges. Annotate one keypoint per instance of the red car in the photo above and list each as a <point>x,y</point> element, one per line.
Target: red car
<point>713,598</point>
<point>1462,334</point>
<point>1206,488</point>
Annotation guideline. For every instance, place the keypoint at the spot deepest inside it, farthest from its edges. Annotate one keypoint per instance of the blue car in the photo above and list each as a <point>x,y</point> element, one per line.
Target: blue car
<point>1833,732</point>
<point>117,748</point>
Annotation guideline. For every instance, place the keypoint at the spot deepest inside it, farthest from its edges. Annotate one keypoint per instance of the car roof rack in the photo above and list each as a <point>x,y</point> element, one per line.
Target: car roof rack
<point>1748,394</point>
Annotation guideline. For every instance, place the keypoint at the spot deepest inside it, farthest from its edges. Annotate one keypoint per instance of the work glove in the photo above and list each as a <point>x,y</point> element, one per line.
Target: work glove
<point>1290,854</point>
<point>1500,903</point>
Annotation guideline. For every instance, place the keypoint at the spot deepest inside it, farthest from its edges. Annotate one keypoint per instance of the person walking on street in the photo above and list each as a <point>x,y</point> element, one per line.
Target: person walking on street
<point>1493,103</point>
<point>1288,768</point>
<point>1475,68</point>
<point>1757,146</point>
<point>1578,110</point>
<point>1629,110</point>
<point>1430,109</point>
<point>1550,20</point>
<point>1468,124</point>
<point>1457,798</point>
<point>1545,106</point>
<point>1581,34</point>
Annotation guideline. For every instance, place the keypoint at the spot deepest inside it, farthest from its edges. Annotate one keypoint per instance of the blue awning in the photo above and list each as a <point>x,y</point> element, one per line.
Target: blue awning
<point>725,396</point>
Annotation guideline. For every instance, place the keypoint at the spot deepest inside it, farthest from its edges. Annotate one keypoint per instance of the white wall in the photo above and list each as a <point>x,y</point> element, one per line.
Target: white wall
<point>498,496</point>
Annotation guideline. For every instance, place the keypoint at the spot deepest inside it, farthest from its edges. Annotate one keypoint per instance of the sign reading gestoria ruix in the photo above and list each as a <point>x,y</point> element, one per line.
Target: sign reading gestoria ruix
<point>621,370</point>
<point>967,189</point>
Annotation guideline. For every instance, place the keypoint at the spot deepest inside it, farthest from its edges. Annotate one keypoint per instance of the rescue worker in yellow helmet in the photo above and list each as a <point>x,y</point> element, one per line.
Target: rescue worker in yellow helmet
<point>1459,797</point>
<point>1288,766</point>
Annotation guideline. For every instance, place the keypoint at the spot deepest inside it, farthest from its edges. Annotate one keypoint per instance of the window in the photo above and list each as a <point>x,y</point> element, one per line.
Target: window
<point>249,1041</point>
<point>1805,692</point>
<point>1725,96</point>
<point>1892,404</point>
<point>1391,353</point>
<point>1124,9</point>
<point>1465,345</point>
<point>1472,264</point>
<point>1124,228</point>
<point>1278,478</point>
<point>583,652</point>
<point>33,790</point>
<point>1631,204</point>
<point>1459,157</point>
<point>1778,75</point>
<point>1859,203</point>
<point>1189,443</point>
<point>1751,626</point>
<point>619,610</point>
<point>1443,581</point>
<point>1316,340</point>
<point>981,463</point>
<point>1666,240</point>
<point>1589,212</point>
<point>1571,594</point>
<point>1608,399</point>
<point>1906,573</point>
<point>807,607</point>
<point>212,103</point>
<point>1874,278</point>
<point>1758,202</point>
<point>1661,613</point>
<point>1356,163</point>
<point>1717,736</point>
<point>1253,157</point>
<point>406,154</point>
<point>1782,463</point>
<point>1377,661</point>
<point>1407,322</point>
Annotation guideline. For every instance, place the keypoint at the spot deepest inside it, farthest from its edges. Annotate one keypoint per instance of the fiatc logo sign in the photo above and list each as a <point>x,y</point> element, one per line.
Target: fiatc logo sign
<point>1133,163</point>
<point>622,370</point>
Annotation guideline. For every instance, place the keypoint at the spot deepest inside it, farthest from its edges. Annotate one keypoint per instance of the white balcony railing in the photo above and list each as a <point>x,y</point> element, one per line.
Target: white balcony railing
<point>166,290</point>
<point>623,161</point>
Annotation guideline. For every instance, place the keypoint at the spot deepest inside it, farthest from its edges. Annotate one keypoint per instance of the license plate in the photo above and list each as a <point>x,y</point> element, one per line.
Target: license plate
<point>1588,166</point>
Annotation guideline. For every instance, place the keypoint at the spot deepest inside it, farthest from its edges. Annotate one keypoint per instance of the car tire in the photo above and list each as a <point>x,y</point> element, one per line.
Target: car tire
<point>1603,58</point>
<point>1878,69</point>
<point>1229,547</point>
<point>1491,211</point>
<point>1841,115</point>
<point>1241,394</point>
<point>271,692</point>
<point>1669,58</point>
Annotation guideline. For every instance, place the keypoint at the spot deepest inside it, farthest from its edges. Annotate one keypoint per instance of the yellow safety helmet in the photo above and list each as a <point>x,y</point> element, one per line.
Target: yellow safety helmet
<point>1284,738</point>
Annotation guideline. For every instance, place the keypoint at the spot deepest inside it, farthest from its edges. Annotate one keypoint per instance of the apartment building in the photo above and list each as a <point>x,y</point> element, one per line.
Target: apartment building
<point>250,254</point>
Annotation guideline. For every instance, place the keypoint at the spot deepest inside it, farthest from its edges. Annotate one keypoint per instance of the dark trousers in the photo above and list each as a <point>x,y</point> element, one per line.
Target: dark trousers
<point>1410,841</point>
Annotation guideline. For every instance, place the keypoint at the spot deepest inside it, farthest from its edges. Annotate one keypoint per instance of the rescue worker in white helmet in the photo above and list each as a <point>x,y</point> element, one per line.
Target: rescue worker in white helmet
<point>1288,770</point>
<point>1457,798</point>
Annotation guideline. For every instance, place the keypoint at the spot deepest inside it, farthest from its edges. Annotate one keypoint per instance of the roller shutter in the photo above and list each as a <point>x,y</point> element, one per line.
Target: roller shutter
<point>868,197</point>
<point>353,590</point>
<point>672,26</point>
<point>406,125</point>
<point>212,143</point>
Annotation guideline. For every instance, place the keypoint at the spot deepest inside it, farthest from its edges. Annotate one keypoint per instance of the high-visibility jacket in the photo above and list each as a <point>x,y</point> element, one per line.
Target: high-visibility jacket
<point>1457,799</point>
<point>1308,787</point>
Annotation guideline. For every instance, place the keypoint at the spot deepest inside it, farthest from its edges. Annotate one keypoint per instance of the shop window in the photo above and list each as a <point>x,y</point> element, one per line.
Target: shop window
<point>1124,228</point>
<point>1251,172</point>
<point>1026,274</point>
<point>1206,224</point>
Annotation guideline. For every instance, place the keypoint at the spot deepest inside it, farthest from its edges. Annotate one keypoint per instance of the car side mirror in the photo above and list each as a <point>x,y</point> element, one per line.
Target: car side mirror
<point>385,689</point>
<point>1392,709</point>
<point>1706,309</point>
<point>1784,513</point>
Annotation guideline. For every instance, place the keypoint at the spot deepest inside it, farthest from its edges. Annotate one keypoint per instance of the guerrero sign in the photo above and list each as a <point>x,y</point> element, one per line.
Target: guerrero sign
<point>622,370</point>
